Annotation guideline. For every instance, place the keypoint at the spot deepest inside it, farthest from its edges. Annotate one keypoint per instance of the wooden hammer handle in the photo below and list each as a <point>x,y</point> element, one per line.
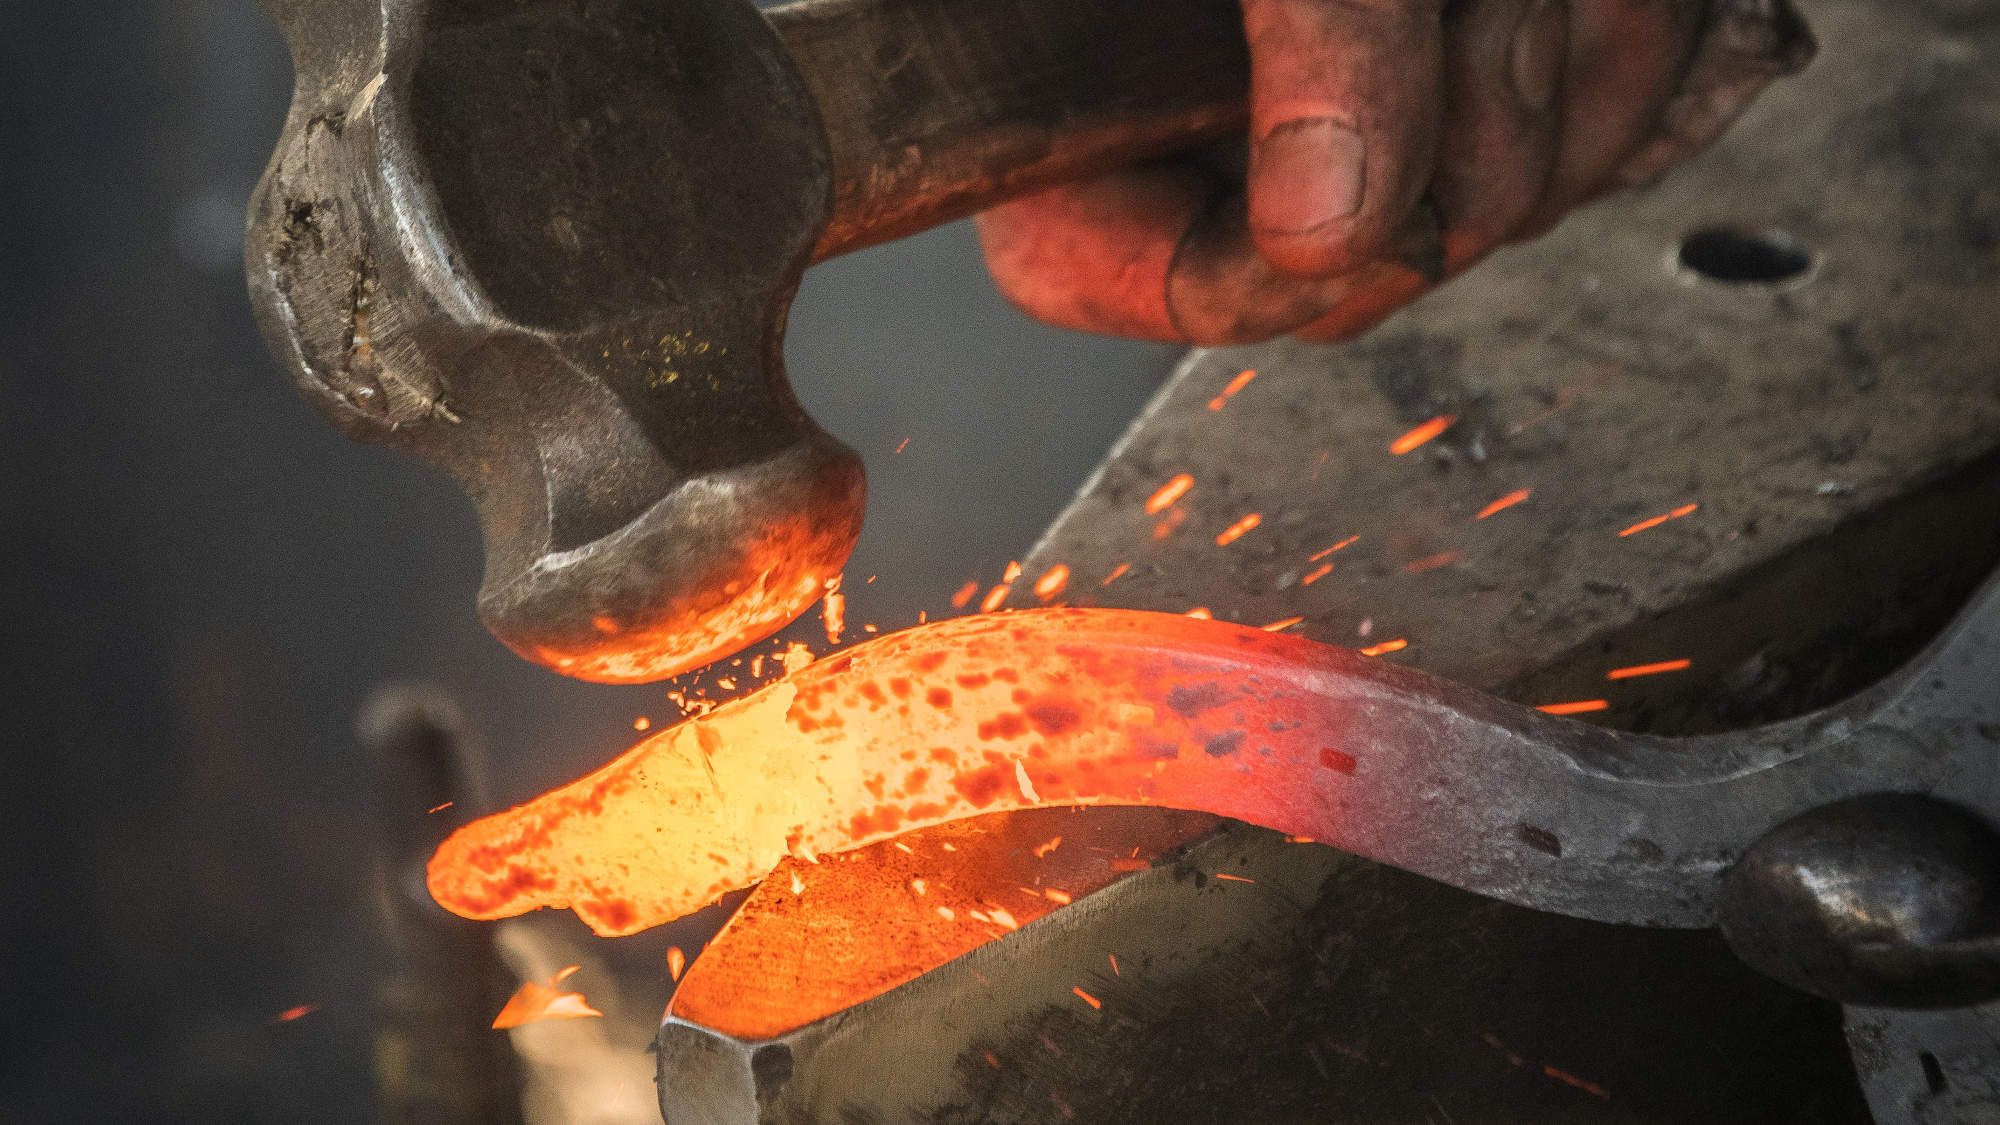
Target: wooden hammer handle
<point>940,108</point>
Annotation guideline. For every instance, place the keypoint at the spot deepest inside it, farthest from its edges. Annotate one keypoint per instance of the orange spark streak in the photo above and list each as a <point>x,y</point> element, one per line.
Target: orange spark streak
<point>904,445</point>
<point>1386,647</point>
<point>1052,583</point>
<point>1505,502</point>
<point>1117,572</point>
<point>1422,434</point>
<point>834,612</point>
<point>1166,526</point>
<point>1580,707</point>
<point>1088,998</point>
<point>1649,669</point>
<point>1060,898</point>
<point>1238,529</point>
<point>1012,573</point>
<point>1324,570</point>
<point>1572,1080</point>
<point>1169,492</point>
<point>677,962</point>
<point>965,593</point>
<point>1432,562</point>
<point>994,597</point>
<point>1647,525</point>
<point>290,1014</point>
<point>1114,965</point>
<point>1229,392</point>
<point>1340,546</point>
<point>448,804</point>
<point>1280,626</point>
<point>1233,878</point>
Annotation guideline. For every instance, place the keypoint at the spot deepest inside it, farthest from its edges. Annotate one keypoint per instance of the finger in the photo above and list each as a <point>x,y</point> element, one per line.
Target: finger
<point>1626,59</point>
<point>1378,294</point>
<point>1504,63</point>
<point>1222,289</point>
<point>1748,44</point>
<point>1346,99</point>
<point>1151,254</point>
<point>1094,256</point>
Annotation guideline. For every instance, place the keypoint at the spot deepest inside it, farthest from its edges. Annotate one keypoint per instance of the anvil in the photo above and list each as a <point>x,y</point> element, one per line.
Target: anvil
<point>1833,416</point>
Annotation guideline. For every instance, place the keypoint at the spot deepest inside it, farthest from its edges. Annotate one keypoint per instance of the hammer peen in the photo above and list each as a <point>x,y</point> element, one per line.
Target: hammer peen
<point>550,245</point>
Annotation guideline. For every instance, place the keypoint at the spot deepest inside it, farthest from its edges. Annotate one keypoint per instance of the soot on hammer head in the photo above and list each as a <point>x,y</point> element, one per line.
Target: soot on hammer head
<point>549,247</point>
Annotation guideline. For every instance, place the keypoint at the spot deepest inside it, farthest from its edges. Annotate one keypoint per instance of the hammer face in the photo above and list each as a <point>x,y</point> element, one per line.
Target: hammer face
<point>549,247</point>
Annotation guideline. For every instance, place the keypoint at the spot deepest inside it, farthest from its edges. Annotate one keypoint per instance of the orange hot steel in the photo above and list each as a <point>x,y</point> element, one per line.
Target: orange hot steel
<point>916,728</point>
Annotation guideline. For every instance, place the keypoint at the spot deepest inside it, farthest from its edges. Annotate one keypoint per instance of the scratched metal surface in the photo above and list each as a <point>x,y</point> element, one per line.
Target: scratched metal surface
<point>1592,369</point>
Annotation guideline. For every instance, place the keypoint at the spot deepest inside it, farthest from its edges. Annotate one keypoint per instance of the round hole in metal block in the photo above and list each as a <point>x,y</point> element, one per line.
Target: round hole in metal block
<point>1734,256</point>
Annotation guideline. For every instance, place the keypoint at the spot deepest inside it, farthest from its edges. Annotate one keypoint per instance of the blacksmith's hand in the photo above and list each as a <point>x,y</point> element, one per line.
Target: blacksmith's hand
<point>1392,143</point>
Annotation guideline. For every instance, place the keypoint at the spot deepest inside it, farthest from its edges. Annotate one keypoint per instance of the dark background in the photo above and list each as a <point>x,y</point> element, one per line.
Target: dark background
<point>202,582</point>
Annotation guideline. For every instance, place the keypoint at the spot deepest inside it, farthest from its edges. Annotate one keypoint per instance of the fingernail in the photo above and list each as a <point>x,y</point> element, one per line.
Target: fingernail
<point>1540,45</point>
<point>1307,173</point>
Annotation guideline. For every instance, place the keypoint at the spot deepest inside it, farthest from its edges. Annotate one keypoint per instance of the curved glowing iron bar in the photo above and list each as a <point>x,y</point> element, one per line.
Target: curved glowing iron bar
<point>1085,706</point>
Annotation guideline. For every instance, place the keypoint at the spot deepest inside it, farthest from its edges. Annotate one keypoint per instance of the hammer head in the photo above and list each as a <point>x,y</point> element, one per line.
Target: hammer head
<point>549,246</point>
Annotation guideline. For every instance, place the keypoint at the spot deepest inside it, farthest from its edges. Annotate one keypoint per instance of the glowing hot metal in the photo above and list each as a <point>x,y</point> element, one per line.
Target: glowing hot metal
<point>1095,706</point>
<point>946,721</point>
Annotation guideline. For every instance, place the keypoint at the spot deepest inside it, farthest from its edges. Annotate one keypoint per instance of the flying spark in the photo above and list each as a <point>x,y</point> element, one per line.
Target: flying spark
<point>1229,392</point>
<point>1422,434</point>
<point>1433,562</point>
<point>965,593</point>
<point>1386,647</point>
<point>1052,583</point>
<point>1649,669</point>
<point>1647,525</point>
<point>1505,502</point>
<point>1169,492</point>
<point>1580,707</point>
<point>1340,546</point>
<point>1238,529</point>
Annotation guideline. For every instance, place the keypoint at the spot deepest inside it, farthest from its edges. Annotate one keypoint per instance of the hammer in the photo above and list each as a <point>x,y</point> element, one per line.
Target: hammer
<point>549,246</point>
